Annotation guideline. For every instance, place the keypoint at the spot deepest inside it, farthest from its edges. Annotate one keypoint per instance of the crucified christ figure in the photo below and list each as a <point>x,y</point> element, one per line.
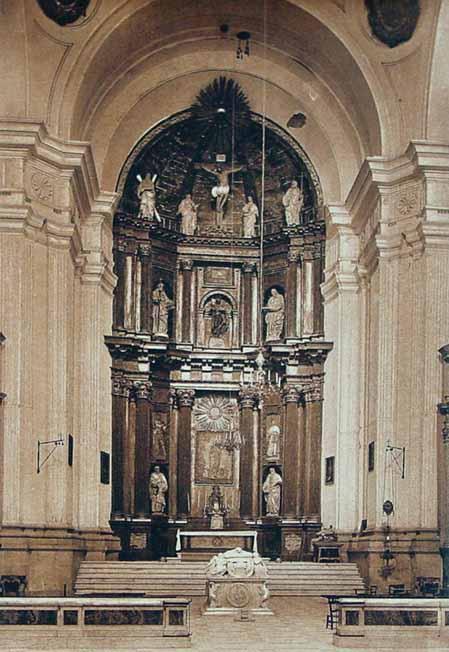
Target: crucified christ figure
<point>220,192</point>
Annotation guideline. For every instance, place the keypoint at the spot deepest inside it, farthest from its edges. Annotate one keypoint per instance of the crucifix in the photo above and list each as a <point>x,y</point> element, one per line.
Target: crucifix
<point>220,192</point>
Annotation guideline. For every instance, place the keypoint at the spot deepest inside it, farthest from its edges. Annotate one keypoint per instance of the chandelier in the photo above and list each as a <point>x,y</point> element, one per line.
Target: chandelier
<point>229,440</point>
<point>243,44</point>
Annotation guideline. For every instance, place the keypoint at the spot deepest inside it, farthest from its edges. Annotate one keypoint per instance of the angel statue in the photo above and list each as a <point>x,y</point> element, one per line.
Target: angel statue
<point>146,191</point>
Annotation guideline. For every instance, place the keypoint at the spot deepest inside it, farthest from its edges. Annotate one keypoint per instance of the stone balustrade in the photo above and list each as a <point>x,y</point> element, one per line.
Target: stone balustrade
<point>94,623</point>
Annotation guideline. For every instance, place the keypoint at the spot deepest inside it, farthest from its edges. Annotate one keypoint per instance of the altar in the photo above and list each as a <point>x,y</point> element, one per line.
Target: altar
<point>201,545</point>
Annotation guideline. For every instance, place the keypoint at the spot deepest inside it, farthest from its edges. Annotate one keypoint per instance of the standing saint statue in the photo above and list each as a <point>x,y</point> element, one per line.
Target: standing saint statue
<point>272,492</point>
<point>146,191</point>
<point>250,213</point>
<point>159,435</point>
<point>274,317</point>
<point>220,192</point>
<point>293,200</point>
<point>188,211</point>
<point>273,436</point>
<point>158,489</point>
<point>161,307</point>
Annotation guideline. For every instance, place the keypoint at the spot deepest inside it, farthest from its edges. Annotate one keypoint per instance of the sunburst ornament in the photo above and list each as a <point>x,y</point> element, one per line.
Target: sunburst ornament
<point>214,413</point>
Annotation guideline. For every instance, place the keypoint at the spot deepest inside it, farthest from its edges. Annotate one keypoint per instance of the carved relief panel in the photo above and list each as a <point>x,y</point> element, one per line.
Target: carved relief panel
<point>215,459</point>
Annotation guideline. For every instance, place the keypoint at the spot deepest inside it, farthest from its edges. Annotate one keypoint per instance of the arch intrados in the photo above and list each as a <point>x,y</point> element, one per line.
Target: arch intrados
<point>103,37</point>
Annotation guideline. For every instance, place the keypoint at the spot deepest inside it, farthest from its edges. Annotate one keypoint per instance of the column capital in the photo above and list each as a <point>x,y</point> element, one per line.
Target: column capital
<point>248,268</point>
<point>142,390</point>
<point>120,244</point>
<point>145,250</point>
<point>248,396</point>
<point>184,397</point>
<point>292,394</point>
<point>186,264</point>
<point>293,256</point>
<point>121,386</point>
<point>313,393</point>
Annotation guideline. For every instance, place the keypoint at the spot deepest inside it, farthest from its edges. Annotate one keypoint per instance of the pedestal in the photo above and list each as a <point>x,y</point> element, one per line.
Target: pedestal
<point>230,595</point>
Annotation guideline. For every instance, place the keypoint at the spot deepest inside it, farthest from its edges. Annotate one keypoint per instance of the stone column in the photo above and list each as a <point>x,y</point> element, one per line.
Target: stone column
<point>119,292</point>
<point>291,294</point>
<point>120,397</point>
<point>312,457</point>
<point>185,398</point>
<point>293,483</point>
<point>142,393</point>
<point>317,298</point>
<point>443,409</point>
<point>145,288</point>
<point>247,270</point>
<point>173,456</point>
<point>130,283</point>
<point>307,293</point>
<point>248,399</point>
<point>186,267</point>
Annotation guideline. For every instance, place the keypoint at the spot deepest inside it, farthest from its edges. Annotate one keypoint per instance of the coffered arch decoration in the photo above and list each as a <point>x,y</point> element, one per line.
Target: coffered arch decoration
<point>178,134</point>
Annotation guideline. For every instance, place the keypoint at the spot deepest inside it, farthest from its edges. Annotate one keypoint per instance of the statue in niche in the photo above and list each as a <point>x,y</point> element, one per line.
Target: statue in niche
<point>158,489</point>
<point>250,213</point>
<point>159,435</point>
<point>146,191</point>
<point>162,305</point>
<point>218,310</point>
<point>220,192</point>
<point>273,437</point>
<point>216,509</point>
<point>188,211</point>
<point>293,201</point>
<point>274,317</point>
<point>272,492</point>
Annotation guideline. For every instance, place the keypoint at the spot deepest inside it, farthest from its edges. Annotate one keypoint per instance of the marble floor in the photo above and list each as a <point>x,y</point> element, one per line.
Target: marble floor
<point>299,625</point>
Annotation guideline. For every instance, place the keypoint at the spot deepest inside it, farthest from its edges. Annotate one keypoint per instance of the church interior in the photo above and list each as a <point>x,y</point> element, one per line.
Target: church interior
<point>224,297</point>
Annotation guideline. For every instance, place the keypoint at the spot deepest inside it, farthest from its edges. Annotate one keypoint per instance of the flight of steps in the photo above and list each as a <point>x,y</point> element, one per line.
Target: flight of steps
<point>188,579</point>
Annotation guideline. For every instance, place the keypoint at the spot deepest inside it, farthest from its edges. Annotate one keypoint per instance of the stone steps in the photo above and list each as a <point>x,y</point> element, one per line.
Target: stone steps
<point>175,578</point>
